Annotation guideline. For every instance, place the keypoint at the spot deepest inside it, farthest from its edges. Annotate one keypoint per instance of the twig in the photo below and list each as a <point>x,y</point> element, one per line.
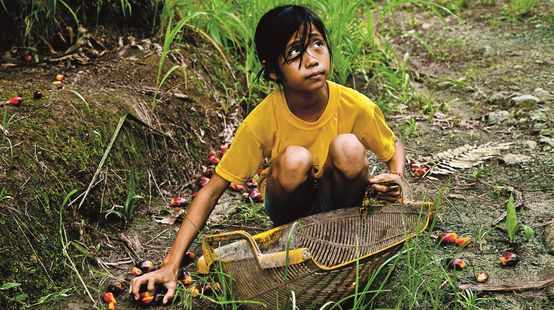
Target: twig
<point>507,288</point>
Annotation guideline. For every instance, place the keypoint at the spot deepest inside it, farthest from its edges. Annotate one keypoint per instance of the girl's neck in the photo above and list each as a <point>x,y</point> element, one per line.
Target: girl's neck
<point>308,106</point>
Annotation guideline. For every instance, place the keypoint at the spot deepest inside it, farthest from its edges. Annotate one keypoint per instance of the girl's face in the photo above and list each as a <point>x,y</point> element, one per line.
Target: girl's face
<point>307,73</point>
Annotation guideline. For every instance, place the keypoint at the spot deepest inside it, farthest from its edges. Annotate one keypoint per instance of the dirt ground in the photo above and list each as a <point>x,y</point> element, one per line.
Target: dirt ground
<point>491,80</point>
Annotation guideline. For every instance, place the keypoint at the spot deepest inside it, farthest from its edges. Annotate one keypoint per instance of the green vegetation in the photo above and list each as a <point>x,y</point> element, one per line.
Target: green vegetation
<point>512,226</point>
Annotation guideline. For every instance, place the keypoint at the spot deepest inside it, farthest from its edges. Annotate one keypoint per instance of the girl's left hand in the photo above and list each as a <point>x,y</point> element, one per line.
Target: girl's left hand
<point>384,190</point>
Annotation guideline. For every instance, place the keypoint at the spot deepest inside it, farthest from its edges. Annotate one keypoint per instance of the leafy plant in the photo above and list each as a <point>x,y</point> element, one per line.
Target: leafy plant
<point>132,198</point>
<point>512,226</point>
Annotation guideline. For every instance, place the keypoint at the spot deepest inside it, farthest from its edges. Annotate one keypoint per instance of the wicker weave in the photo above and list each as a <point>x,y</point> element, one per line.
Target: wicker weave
<point>332,242</point>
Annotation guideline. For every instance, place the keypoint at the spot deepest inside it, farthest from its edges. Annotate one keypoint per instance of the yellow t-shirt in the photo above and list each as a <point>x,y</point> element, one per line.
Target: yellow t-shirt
<point>271,127</point>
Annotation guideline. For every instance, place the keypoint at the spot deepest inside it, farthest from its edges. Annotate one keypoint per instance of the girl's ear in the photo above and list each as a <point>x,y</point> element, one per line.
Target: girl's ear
<point>273,76</point>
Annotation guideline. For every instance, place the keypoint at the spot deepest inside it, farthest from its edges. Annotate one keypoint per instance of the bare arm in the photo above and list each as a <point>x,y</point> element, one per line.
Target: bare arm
<point>396,167</point>
<point>196,217</point>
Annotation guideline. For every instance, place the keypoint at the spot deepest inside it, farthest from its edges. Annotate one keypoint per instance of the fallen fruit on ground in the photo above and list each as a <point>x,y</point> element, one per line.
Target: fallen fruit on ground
<point>135,271</point>
<point>115,287</point>
<point>37,95</point>
<point>109,297</point>
<point>194,291</point>
<point>508,259</point>
<point>28,57</point>
<point>256,196</point>
<point>146,266</point>
<point>59,77</point>
<point>112,306</point>
<point>238,187</point>
<point>212,159</point>
<point>186,279</point>
<point>188,258</point>
<point>146,298</point>
<point>203,181</point>
<point>179,201</point>
<point>448,238</point>
<point>482,277</point>
<point>463,241</point>
<point>16,100</point>
<point>458,263</point>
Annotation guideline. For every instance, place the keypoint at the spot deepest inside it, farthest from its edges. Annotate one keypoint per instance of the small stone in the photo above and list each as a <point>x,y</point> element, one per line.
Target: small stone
<point>547,140</point>
<point>525,99</point>
<point>497,97</point>
<point>538,116</point>
<point>497,117</point>
<point>541,93</point>
<point>426,26</point>
<point>514,159</point>
<point>518,67</point>
<point>488,51</point>
<point>549,238</point>
<point>531,144</point>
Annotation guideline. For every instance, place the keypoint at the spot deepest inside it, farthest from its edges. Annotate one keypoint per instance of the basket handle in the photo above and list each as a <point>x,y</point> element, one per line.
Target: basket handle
<point>270,260</point>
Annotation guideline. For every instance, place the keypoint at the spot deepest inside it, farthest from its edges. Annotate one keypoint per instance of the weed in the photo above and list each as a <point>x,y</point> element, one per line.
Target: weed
<point>412,127</point>
<point>512,226</point>
<point>132,198</point>
<point>519,7</point>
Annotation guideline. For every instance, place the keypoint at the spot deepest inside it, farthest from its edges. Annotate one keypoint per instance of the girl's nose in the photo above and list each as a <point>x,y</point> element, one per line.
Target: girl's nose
<point>310,60</point>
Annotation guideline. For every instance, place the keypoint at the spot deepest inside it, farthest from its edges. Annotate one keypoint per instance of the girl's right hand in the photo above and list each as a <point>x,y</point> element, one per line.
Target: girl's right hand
<point>164,276</point>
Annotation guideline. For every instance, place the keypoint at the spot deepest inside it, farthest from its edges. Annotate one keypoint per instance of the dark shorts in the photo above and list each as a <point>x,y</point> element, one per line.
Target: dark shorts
<point>280,217</point>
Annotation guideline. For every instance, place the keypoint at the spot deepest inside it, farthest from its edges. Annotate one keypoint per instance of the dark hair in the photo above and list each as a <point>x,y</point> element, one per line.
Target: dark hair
<point>275,29</point>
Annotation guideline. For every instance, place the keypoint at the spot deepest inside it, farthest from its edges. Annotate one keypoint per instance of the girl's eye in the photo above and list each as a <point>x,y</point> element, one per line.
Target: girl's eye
<point>318,43</point>
<point>294,51</point>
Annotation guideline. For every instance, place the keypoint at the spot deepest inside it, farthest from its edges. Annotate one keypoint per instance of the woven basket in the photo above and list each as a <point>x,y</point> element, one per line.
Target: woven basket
<point>315,256</point>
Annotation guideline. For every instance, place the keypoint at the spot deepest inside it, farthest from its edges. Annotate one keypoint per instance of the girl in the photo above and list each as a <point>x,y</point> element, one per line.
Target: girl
<point>313,132</point>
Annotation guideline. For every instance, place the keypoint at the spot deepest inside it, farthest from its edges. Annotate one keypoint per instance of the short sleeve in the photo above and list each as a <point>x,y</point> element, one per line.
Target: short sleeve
<point>243,158</point>
<point>378,137</point>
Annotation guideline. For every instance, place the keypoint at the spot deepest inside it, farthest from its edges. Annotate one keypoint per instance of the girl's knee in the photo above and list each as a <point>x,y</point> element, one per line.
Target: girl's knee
<point>348,155</point>
<point>292,167</point>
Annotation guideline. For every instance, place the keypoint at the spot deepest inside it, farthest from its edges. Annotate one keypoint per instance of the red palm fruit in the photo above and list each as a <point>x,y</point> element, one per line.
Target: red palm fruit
<point>109,297</point>
<point>211,288</point>
<point>16,100</point>
<point>146,266</point>
<point>250,184</point>
<point>194,291</point>
<point>463,241</point>
<point>188,258</point>
<point>223,148</point>
<point>112,306</point>
<point>420,171</point>
<point>508,259</point>
<point>238,187</point>
<point>256,196</point>
<point>186,279</point>
<point>136,271</point>
<point>246,196</point>
<point>212,159</point>
<point>27,57</point>
<point>207,172</point>
<point>458,263</point>
<point>448,238</point>
<point>212,152</point>
<point>59,77</point>
<point>203,181</point>
<point>482,277</point>
<point>146,298</point>
<point>115,287</point>
<point>179,201</point>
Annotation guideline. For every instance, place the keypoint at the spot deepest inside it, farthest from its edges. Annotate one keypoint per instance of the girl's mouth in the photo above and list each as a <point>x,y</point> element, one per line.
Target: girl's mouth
<point>315,75</point>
